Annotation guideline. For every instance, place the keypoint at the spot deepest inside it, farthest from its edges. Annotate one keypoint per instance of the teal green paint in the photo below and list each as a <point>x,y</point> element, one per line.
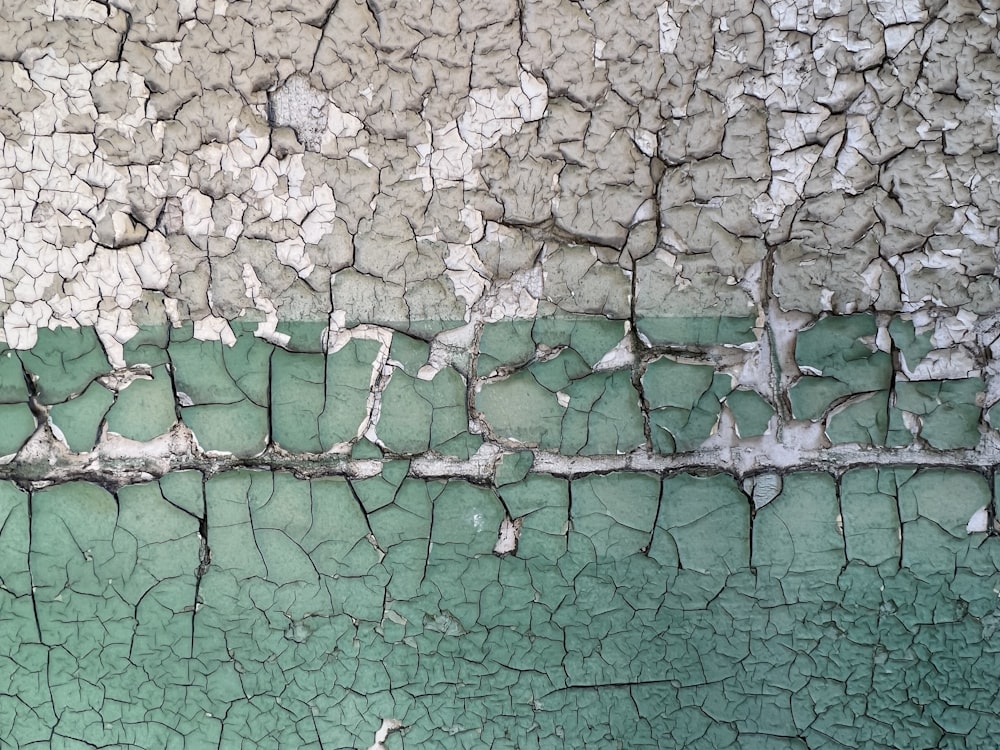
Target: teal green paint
<point>320,400</point>
<point>418,414</point>
<point>240,428</point>
<point>603,416</point>
<point>872,532</point>
<point>505,343</point>
<point>615,512</point>
<point>590,336</point>
<point>841,349</point>
<point>703,525</point>
<point>519,407</point>
<point>701,330</point>
<point>365,448</point>
<point>409,353</point>
<point>751,412</point>
<point>912,346</point>
<point>949,410</point>
<point>150,344</point>
<point>684,403</point>
<point>303,335</point>
<point>184,490</point>
<point>228,388</point>
<point>934,508</point>
<point>378,491</point>
<point>633,613</point>
<point>556,373</point>
<point>64,361</point>
<point>17,424</point>
<point>79,419</point>
<point>13,388</point>
<point>542,503</point>
<point>797,545</point>
<point>513,467</point>
<point>864,421</point>
<point>542,391</point>
<point>207,371</point>
<point>145,408</point>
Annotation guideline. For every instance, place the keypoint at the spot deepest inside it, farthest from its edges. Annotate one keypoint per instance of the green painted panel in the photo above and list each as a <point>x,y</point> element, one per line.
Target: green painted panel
<point>631,614</point>
<point>258,608</point>
<point>64,362</point>
<point>79,419</point>
<point>145,408</point>
<point>704,330</point>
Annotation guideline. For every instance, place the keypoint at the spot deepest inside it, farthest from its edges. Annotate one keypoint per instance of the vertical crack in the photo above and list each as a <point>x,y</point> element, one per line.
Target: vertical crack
<point>204,560</point>
<point>31,577</point>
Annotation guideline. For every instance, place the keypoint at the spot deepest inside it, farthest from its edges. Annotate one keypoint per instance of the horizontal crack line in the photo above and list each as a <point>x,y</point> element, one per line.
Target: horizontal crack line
<point>42,463</point>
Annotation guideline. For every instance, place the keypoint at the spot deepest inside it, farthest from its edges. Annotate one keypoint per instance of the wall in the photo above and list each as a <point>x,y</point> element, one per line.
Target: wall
<point>495,374</point>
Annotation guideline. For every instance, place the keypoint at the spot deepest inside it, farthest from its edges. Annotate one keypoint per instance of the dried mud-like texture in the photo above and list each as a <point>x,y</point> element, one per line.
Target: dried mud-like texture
<point>497,374</point>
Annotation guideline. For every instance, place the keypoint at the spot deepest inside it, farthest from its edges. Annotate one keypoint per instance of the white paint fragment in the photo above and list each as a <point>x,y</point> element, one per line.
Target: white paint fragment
<point>196,210</point>
<point>979,522</point>
<point>167,55</point>
<point>645,141</point>
<point>764,488</point>
<point>789,173</point>
<point>341,124</point>
<point>473,220</point>
<point>622,355</point>
<point>292,253</point>
<point>466,272</point>
<point>213,328</point>
<point>317,224</point>
<point>507,538</point>
<point>670,30</point>
<point>533,99</point>
<point>449,345</point>
<point>21,323</point>
<point>451,157</point>
<point>599,61</point>
<point>515,298</point>
<point>267,329</point>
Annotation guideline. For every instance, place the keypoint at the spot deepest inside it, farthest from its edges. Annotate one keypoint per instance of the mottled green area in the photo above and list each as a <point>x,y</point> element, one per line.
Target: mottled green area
<point>912,346</point>
<point>17,423</point>
<point>513,467</point>
<point>848,383</point>
<point>505,343</point>
<point>259,609</point>
<point>863,420</point>
<point>553,398</point>
<point>226,389</point>
<point>63,362</point>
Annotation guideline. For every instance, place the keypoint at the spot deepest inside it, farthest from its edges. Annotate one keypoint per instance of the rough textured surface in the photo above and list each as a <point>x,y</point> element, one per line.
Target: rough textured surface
<point>857,610</point>
<point>510,375</point>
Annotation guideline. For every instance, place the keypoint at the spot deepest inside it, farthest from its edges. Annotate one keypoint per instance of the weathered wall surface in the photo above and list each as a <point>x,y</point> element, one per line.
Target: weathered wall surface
<point>499,374</point>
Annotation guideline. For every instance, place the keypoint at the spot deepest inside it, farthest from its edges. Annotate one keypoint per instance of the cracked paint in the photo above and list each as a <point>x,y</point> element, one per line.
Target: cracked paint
<point>511,375</point>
